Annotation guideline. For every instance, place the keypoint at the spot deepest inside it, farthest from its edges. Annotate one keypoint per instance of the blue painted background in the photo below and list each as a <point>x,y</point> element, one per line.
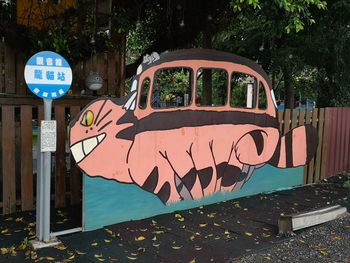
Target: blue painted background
<point>106,202</point>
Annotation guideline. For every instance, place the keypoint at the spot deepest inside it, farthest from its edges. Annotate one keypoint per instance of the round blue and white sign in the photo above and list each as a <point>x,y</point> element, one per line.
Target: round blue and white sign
<point>48,75</point>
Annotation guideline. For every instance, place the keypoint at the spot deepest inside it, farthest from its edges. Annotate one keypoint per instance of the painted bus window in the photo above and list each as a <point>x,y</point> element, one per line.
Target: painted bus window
<point>262,100</point>
<point>243,91</point>
<point>211,88</point>
<point>144,93</point>
<point>172,88</point>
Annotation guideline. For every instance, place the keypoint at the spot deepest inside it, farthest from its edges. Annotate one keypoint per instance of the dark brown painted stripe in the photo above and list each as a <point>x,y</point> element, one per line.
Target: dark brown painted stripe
<point>232,175</point>
<point>158,121</point>
<point>311,141</point>
<point>205,175</point>
<point>164,192</point>
<point>277,154</point>
<point>289,148</point>
<point>258,140</point>
<point>152,180</point>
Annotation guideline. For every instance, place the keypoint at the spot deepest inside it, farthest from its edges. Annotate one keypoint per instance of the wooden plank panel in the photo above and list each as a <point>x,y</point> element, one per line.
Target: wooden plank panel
<point>26,158</point>
<point>306,168</point>
<point>40,113</point>
<point>294,118</point>
<point>75,173</point>
<point>310,176</point>
<point>324,154</point>
<point>320,144</point>
<point>342,163</point>
<point>8,159</point>
<point>331,141</point>
<point>286,127</point>
<point>2,64</point>
<point>338,141</point>
<point>10,70</point>
<point>280,119</point>
<point>301,119</point>
<point>101,68</point>
<point>60,167</point>
<point>111,73</point>
<point>20,83</point>
<point>347,140</point>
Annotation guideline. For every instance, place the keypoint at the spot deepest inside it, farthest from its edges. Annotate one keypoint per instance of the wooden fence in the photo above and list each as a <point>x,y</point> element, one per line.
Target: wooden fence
<point>18,130</point>
<point>18,125</point>
<point>110,66</point>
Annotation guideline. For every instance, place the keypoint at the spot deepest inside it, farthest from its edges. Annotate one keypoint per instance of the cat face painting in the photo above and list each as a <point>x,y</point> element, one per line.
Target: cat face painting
<point>195,122</point>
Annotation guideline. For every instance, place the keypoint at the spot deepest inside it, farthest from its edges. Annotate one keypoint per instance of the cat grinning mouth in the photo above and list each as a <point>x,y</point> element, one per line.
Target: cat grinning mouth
<point>84,147</point>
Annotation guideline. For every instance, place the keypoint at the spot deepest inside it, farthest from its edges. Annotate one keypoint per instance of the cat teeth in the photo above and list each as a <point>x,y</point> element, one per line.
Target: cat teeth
<point>83,148</point>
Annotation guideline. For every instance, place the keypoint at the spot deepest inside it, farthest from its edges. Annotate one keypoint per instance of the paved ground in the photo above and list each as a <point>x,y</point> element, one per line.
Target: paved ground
<point>329,242</point>
<point>241,230</point>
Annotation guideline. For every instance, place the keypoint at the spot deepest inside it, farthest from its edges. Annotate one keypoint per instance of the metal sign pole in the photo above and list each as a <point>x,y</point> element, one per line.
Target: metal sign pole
<point>39,186</point>
<point>46,189</point>
<point>48,76</point>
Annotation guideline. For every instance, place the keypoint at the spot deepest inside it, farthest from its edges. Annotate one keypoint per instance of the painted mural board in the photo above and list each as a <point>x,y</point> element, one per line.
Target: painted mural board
<point>196,128</point>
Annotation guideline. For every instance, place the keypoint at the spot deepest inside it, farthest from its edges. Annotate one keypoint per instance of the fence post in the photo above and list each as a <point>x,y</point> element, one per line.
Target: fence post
<point>8,159</point>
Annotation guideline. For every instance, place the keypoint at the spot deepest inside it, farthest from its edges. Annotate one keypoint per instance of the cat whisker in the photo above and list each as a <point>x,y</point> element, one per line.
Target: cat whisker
<point>104,116</point>
<point>104,126</point>
<point>98,114</point>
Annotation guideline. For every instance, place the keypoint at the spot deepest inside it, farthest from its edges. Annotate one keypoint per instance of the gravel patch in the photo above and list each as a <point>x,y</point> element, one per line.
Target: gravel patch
<point>329,242</point>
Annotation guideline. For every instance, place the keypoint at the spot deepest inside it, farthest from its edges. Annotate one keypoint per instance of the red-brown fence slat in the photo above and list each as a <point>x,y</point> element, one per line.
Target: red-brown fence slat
<point>10,70</point>
<point>75,173</point>
<point>286,127</point>
<point>26,158</point>
<point>280,120</point>
<point>301,119</point>
<point>2,64</point>
<point>347,140</point>
<point>102,70</point>
<point>320,129</point>
<point>325,141</point>
<point>8,159</point>
<point>307,121</point>
<point>21,87</point>
<point>60,158</point>
<point>111,73</point>
<point>294,118</point>
<point>341,162</point>
<point>337,150</point>
<point>310,176</point>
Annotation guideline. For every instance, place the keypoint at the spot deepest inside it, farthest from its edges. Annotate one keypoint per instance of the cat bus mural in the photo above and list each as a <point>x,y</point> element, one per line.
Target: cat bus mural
<point>195,122</point>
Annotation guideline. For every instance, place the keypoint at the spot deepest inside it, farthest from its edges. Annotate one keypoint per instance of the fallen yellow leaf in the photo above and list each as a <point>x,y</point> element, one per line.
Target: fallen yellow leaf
<point>4,250</point>
<point>140,238</point>
<point>176,247</point>
<point>79,252</point>
<point>202,225</point>
<point>192,261</point>
<point>248,234</point>
<point>107,241</point>
<point>131,258</point>
<point>94,244</point>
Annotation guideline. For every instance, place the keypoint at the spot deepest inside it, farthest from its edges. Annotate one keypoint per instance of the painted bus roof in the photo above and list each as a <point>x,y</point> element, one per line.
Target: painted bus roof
<point>208,54</point>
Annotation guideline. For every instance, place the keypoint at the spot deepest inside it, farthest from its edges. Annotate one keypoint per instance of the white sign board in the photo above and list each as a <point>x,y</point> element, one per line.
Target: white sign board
<point>48,136</point>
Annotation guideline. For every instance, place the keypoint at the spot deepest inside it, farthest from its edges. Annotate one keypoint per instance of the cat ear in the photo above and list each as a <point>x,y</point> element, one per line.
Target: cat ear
<point>131,102</point>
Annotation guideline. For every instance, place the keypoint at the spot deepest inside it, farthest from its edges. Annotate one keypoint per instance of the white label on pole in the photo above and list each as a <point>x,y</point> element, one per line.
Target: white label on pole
<point>48,136</point>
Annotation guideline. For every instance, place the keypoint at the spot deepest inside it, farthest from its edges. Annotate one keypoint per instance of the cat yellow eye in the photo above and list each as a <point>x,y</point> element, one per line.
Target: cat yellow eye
<point>88,118</point>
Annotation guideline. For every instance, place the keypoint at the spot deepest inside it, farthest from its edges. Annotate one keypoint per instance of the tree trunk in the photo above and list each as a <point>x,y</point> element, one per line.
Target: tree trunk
<point>288,87</point>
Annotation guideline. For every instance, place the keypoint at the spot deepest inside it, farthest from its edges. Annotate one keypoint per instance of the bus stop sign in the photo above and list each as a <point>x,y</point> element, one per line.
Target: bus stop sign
<point>48,75</point>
